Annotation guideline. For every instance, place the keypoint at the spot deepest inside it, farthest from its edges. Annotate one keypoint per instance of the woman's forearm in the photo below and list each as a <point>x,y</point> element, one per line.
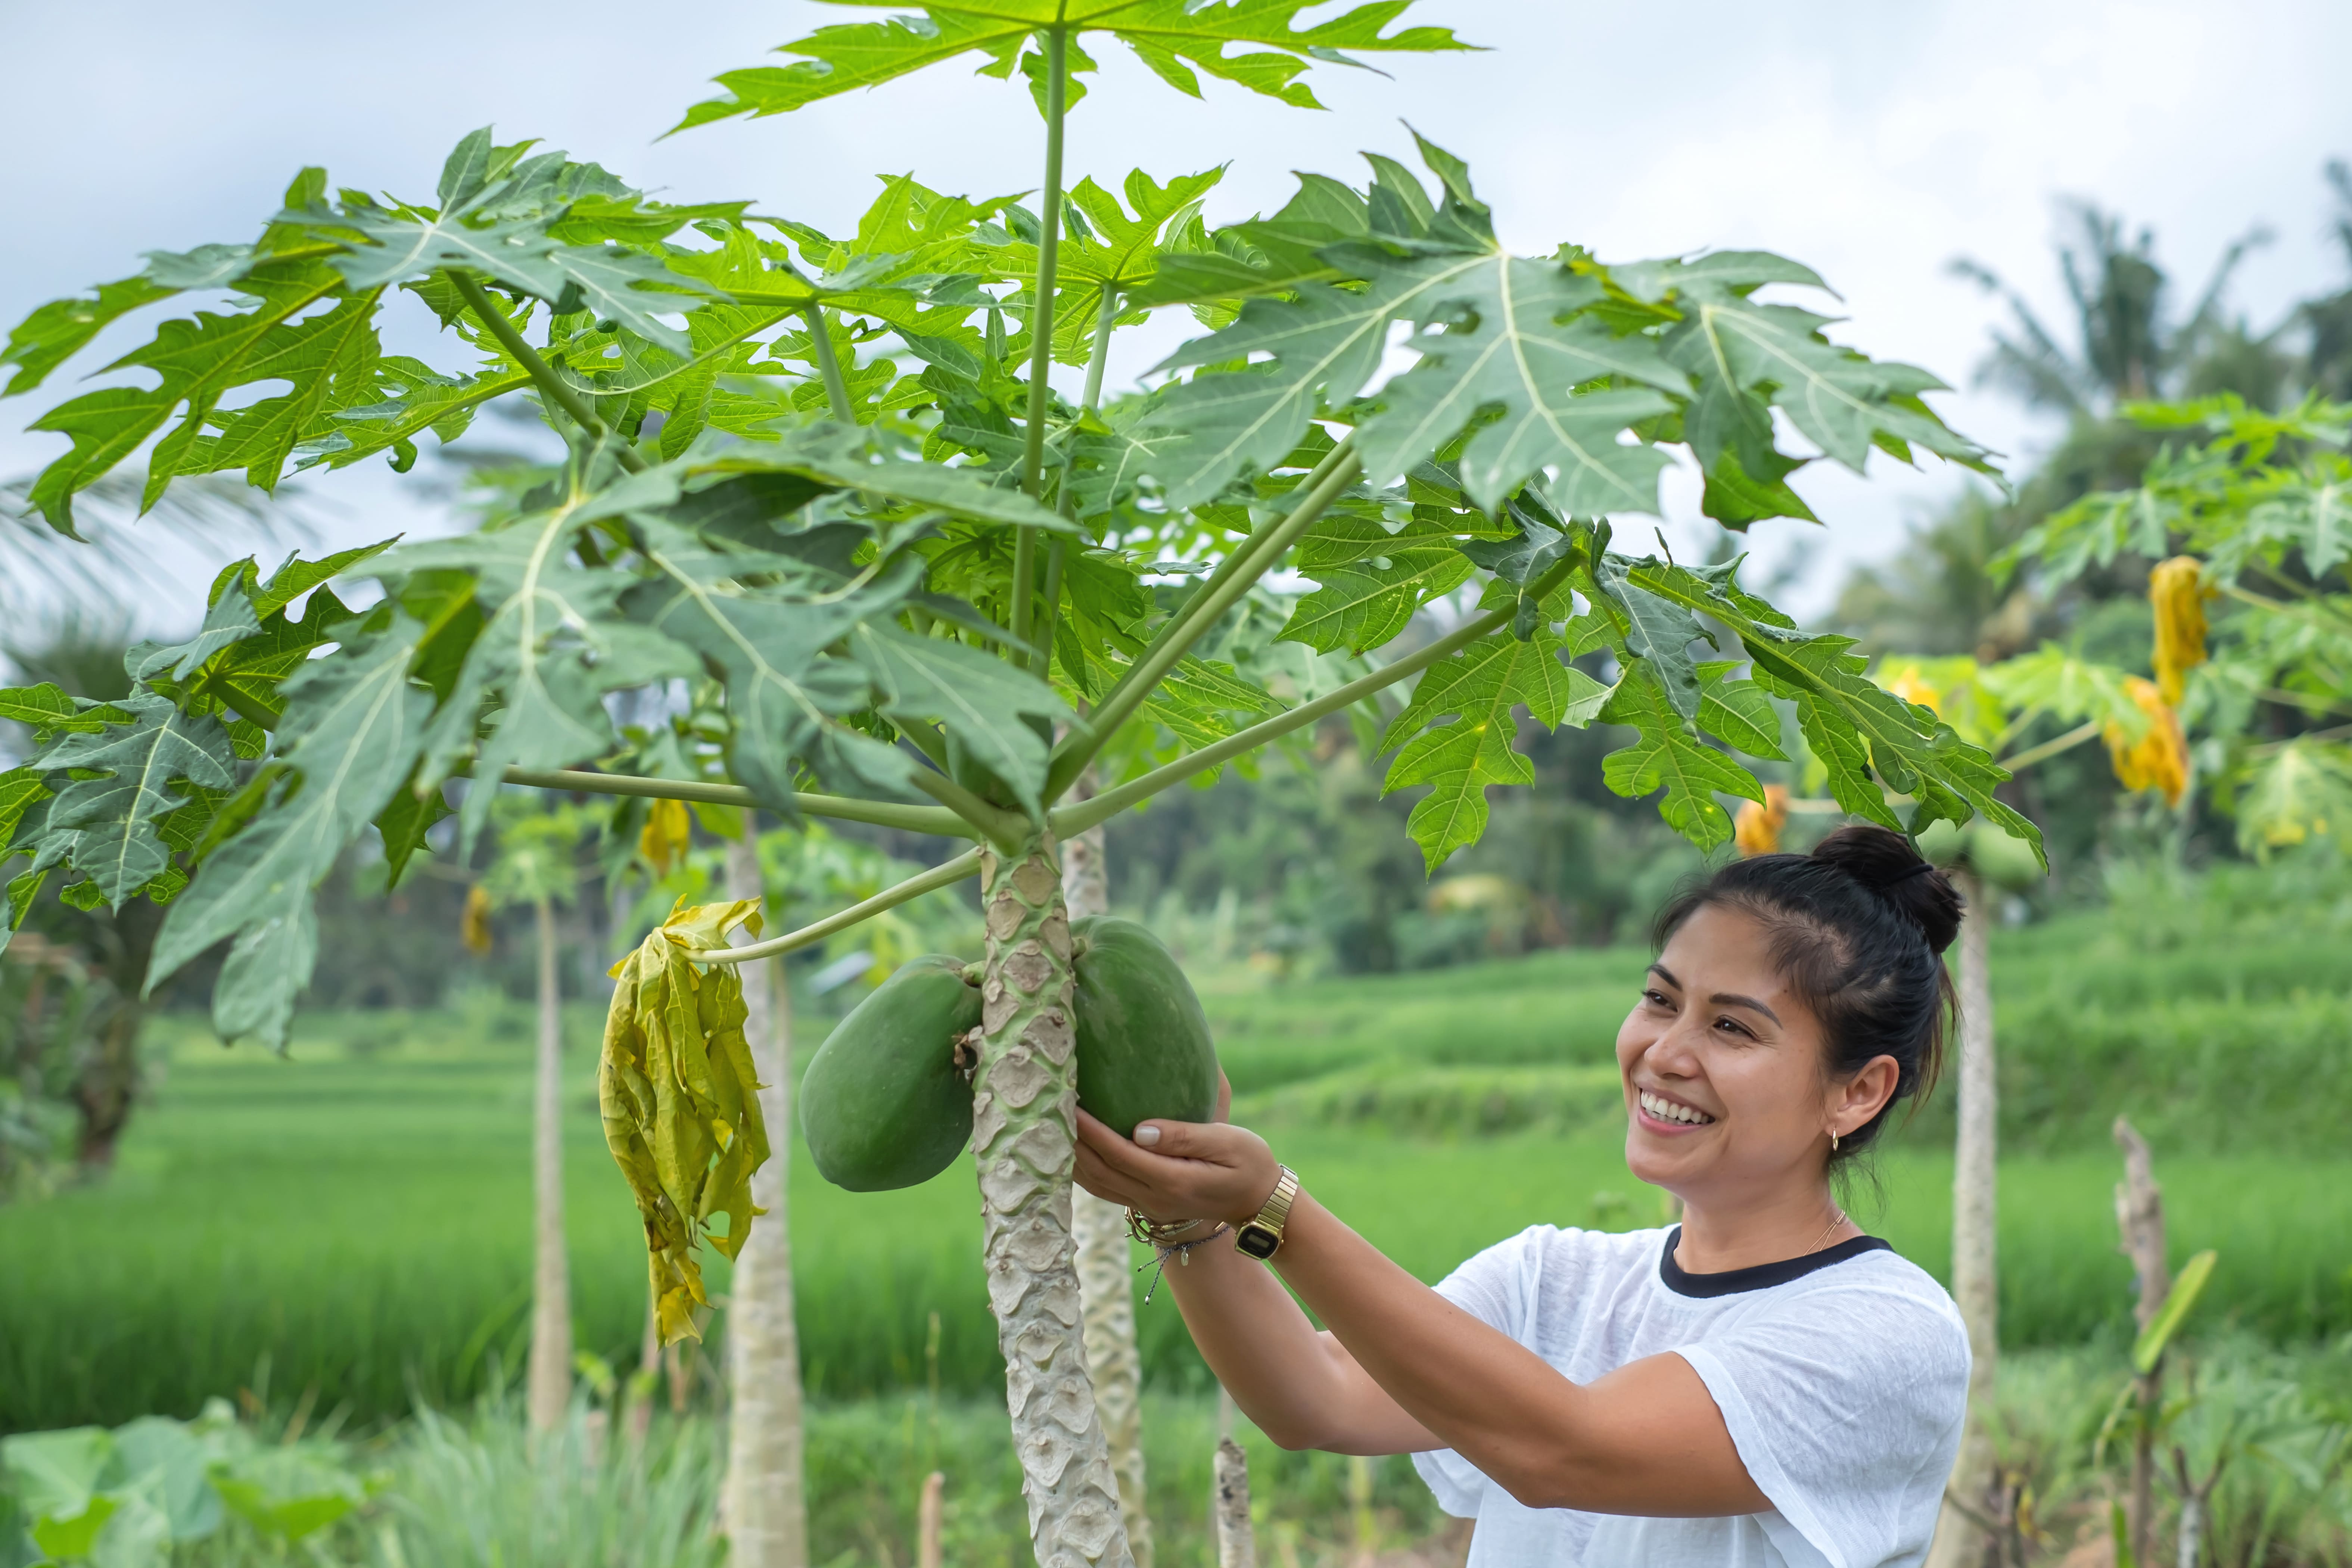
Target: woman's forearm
<point>1298,1384</point>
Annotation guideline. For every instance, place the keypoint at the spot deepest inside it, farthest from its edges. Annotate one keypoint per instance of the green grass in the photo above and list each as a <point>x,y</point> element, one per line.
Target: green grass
<point>357,1219</point>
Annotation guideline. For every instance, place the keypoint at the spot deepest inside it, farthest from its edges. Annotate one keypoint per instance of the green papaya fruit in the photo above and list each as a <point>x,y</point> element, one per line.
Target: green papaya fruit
<point>886,1103</point>
<point>1981,847</point>
<point>1143,1048</point>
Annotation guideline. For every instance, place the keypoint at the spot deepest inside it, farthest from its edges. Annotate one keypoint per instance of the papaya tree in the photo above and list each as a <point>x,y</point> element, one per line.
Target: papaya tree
<point>1999,706</point>
<point>538,864</point>
<point>824,494</point>
<point>2247,520</point>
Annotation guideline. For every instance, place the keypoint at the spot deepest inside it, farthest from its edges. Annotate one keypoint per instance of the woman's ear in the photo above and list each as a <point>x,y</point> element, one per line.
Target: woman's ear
<point>1854,1102</point>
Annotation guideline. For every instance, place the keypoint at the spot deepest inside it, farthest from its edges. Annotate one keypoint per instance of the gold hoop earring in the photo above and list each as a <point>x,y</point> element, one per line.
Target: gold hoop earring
<point>1834,1140</point>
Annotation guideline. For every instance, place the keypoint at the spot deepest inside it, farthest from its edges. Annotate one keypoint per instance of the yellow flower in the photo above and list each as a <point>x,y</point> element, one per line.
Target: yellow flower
<point>475,929</point>
<point>1756,826</point>
<point>2176,590</point>
<point>666,836</point>
<point>1909,685</point>
<point>2158,759</point>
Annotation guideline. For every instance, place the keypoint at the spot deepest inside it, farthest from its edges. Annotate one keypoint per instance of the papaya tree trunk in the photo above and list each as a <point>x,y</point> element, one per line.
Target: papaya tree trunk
<point>1959,1541</point>
<point>1025,1093</point>
<point>766,1508</point>
<point>550,1381</point>
<point>1105,1284</point>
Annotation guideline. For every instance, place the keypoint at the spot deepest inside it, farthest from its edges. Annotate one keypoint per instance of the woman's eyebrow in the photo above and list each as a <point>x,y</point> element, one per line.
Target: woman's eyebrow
<point>1662,972</point>
<point>1733,999</point>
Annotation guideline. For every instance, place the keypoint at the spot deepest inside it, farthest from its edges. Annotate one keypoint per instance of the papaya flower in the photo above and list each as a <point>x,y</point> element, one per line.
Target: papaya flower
<point>1757,827</point>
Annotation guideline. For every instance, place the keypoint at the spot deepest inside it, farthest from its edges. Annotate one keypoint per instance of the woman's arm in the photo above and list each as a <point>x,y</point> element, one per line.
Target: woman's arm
<point>1403,1368</point>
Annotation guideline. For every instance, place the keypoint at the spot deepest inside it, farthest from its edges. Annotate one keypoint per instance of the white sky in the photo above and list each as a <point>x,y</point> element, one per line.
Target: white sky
<point>1872,141</point>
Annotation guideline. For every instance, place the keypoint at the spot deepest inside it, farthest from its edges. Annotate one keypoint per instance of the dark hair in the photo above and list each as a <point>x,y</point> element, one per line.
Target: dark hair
<point>1856,929</point>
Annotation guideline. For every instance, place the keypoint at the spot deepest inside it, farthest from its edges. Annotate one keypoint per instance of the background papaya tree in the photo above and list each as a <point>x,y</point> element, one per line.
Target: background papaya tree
<point>538,864</point>
<point>924,599</point>
<point>2243,518</point>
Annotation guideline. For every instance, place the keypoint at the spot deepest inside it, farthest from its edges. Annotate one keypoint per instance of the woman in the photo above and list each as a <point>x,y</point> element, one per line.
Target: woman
<point>1762,1385</point>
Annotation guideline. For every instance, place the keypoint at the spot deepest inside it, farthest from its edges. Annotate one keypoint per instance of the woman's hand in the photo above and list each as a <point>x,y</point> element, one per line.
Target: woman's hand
<point>1175,1170</point>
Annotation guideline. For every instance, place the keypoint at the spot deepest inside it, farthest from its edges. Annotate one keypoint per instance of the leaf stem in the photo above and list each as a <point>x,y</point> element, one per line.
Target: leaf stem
<point>999,826</point>
<point>1072,820</point>
<point>560,391</point>
<point>2048,748</point>
<point>943,876</point>
<point>1041,324</point>
<point>1241,570</point>
<point>1099,360</point>
<point>930,819</point>
<point>828,364</point>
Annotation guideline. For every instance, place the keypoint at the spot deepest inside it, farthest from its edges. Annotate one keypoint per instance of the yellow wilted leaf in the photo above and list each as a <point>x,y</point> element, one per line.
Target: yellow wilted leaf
<point>2158,759</point>
<point>475,929</point>
<point>2176,589</point>
<point>1756,827</point>
<point>664,839</point>
<point>680,1100</point>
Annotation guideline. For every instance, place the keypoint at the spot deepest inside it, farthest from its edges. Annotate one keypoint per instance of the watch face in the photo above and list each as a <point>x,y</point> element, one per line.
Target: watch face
<point>1257,1241</point>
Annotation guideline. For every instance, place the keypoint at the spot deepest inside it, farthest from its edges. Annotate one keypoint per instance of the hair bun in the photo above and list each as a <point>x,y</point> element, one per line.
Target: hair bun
<point>1892,867</point>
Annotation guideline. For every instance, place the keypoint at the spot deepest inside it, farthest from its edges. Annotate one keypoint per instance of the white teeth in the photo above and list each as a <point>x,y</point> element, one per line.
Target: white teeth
<point>1667,1110</point>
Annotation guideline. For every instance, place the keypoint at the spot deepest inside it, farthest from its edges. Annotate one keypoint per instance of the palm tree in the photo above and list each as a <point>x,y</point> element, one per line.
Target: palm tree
<point>2128,349</point>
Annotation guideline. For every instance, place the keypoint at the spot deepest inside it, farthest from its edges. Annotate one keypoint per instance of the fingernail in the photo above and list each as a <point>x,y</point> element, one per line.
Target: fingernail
<point>1146,1135</point>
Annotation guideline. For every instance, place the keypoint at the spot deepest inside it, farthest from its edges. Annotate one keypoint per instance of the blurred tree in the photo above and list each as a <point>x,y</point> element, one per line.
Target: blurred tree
<point>538,864</point>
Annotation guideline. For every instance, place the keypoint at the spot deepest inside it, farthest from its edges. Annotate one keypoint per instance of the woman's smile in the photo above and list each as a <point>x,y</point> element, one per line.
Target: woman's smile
<point>1665,1114</point>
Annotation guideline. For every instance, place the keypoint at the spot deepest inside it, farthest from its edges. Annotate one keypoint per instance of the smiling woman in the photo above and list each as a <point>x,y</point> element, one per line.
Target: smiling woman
<point>1762,1385</point>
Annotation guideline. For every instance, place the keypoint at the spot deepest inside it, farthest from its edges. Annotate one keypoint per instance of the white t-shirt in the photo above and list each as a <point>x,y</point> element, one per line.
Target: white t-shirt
<point>1843,1377</point>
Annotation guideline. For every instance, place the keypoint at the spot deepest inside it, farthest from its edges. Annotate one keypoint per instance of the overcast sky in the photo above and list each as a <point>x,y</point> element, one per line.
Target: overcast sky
<point>1873,142</point>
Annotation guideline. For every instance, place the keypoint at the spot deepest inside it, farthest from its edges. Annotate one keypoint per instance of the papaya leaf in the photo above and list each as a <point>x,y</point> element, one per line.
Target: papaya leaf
<point>783,694</point>
<point>983,703</point>
<point>52,712</point>
<point>1843,402</point>
<point>1739,711</point>
<point>1461,731</point>
<point>352,733</point>
<point>1657,631</point>
<point>1371,580</point>
<point>105,826</point>
<point>1265,256</point>
<point>58,330</point>
<point>1119,253</point>
<point>1177,39</point>
<point>552,644</point>
<point>1667,755</point>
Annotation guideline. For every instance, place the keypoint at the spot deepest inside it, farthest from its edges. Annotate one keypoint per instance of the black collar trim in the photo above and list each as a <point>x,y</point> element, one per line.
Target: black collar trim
<point>1763,1276</point>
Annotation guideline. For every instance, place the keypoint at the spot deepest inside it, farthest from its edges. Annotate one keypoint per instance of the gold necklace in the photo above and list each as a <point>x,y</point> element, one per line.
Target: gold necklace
<point>1836,1220</point>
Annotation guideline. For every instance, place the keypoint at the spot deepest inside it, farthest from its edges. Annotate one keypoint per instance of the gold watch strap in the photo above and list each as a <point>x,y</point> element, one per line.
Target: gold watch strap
<point>1261,1234</point>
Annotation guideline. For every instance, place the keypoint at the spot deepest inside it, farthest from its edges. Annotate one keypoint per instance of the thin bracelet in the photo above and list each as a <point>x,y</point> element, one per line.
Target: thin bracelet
<point>1182,1252</point>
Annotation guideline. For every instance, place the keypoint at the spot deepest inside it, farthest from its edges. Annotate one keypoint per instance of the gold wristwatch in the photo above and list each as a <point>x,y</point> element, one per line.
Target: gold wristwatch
<point>1261,1235</point>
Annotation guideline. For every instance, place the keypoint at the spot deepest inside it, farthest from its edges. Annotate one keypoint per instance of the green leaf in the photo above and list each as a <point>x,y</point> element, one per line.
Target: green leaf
<point>197,363</point>
<point>352,730</point>
<point>554,643</point>
<point>1176,38</point>
<point>106,825</point>
<point>1668,756</point>
<point>51,712</point>
<point>1657,631</point>
<point>1461,729</point>
<point>985,704</point>
<point>55,1474</point>
<point>1739,711</point>
<point>1372,581</point>
<point>21,789</point>
<point>1842,401</point>
<point>2299,792</point>
<point>2186,1286</point>
<point>58,330</point>
<point>782,695</point>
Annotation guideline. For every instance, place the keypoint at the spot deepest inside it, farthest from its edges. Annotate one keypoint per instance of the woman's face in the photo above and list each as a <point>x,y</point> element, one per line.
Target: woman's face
<point>1722,1067</point>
